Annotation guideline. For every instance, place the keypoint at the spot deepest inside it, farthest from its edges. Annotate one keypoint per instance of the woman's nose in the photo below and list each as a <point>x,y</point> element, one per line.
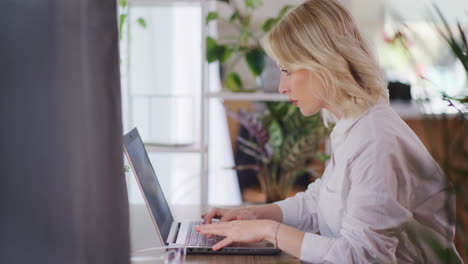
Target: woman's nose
<point>282,89</point>
<point>283,85</point>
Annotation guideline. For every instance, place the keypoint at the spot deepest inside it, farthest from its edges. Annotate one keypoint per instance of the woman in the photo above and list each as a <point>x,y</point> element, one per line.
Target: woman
<point>382,198</point>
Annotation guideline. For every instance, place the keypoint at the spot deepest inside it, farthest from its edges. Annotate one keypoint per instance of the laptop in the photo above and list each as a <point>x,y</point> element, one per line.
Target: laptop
<point>170,231</point>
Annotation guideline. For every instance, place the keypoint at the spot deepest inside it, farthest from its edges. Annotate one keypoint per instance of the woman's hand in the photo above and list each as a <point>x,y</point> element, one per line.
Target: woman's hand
<point>249,231</point>
<point>226,215</point>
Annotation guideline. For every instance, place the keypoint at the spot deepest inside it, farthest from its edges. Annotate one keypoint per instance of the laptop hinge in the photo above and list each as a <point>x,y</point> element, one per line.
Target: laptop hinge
<point>171,238</point>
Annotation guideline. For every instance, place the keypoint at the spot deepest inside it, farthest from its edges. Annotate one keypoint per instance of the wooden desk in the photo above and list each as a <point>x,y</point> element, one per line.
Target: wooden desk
<point>283,258</point>
<point>143,235</point>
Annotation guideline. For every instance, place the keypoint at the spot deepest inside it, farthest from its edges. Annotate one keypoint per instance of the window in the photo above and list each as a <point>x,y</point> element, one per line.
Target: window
<point>162,90</point>
<point>162,97</point>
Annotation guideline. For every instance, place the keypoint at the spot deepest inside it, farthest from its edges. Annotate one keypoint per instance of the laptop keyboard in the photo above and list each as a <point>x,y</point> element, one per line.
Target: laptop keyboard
<point>196,239</point>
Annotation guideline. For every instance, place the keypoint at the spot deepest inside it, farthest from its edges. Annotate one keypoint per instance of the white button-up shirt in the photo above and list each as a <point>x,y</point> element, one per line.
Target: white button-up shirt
<point>381,199</point>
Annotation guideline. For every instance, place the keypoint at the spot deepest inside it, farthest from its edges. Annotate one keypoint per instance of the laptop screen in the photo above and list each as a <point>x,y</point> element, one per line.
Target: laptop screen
<point>149,183</point>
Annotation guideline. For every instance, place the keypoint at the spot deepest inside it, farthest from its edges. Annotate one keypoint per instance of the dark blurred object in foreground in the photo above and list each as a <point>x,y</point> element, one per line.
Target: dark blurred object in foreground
<point>62,190</point>
<point>399,91</point>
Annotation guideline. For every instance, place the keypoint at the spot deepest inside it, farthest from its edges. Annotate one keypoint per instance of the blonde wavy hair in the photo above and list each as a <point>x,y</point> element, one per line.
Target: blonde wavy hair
<point>321,36</point>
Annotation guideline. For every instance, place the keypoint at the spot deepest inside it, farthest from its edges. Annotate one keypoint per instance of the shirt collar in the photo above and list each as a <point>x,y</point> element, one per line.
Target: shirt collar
<point>345,124</point>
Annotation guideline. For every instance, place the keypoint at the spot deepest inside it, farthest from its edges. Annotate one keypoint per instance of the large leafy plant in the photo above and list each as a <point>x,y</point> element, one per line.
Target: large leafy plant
<point>283,143</point>
<point>245,45</point>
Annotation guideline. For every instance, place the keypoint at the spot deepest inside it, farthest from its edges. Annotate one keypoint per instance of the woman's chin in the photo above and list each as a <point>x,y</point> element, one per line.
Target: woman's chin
<point>308,111</point>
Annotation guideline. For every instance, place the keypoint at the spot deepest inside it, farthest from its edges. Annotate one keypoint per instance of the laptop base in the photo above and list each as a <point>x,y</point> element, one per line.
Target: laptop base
<point>232,251</point>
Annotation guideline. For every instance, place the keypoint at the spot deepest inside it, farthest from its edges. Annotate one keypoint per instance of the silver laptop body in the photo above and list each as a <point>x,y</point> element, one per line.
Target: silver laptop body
<point>170,231</point>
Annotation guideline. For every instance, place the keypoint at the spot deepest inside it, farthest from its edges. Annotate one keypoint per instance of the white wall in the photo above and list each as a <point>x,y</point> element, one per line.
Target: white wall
<point>417,10</point>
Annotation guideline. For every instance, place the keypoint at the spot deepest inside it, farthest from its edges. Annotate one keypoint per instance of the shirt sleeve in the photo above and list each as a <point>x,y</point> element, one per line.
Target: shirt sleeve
<point>300,211</point>
<point>370,223</point>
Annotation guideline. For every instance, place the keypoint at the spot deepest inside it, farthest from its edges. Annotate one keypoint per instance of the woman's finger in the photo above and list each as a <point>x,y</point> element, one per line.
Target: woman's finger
<point>228,217</point>
<point>211,229</point>
<point>209,216</point>
<point>223,243</point>
<point>206,229</point>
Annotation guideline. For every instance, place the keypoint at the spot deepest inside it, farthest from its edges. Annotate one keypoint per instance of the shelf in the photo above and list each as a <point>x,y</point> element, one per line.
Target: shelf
<point>170,96</point>
<point>418,109</point>
<point>151,147</point>
<point>165,2</point>
<point>258,96</point>
<point>407,110</point>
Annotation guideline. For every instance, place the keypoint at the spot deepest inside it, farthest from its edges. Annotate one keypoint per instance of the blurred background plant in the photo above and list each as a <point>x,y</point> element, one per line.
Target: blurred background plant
<point>122,8</point>
<point>453,154</point>
<point>283,144</point>
<point>459,47</point>
<point>246,45</point>
<point>123,16</point>
<point>445,131</point>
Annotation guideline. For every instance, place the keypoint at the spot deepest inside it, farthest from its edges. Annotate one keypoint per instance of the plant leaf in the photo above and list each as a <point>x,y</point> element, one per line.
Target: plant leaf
<point>322,157</point>
<point>142,22</point>
<point>255,128</point>
<point>211,50</point>
<point>233,82</point>
<point>283,11</point>
<point>122,19</point>
<point>250,153</point>
<point>235,16</point>
<point>269,24</point>
<point>276,136</point>
<point>246,119</point>
<point>444,21</point>
<point>216,52</point>
<point>277,109</point>
<point>211,16</point>
<point>244,36</point>
<point>249,144</point>
<point>243,48</point>
<point>256,61</point>
<point>462,34</point>
<point>253,3</point>
<point>247,167</point>
<point>262,136</point>
<point>298,150</point>
<point>246,22</point>
<point>122,3</point>
<point>463,100</point>
<point>224,53</point>
<point>450,39</point>
<point>269,151</point>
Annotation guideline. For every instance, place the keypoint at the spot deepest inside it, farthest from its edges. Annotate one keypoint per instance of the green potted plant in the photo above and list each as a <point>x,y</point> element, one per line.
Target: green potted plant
<point>246,45</point>
<point>283,143</point>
